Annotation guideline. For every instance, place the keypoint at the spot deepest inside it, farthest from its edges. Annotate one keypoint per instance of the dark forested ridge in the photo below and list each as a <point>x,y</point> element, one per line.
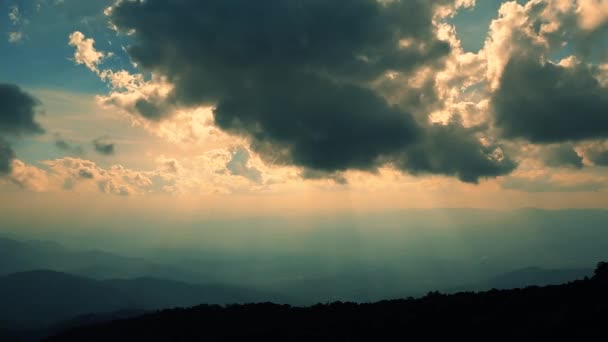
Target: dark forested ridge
<point>577,310</point>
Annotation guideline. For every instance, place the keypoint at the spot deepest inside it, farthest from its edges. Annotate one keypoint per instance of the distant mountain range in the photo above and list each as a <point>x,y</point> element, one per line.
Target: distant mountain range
<point>19,256</point>
<point>576,311</point>
<point>45,284</point>
<point>37,299</point>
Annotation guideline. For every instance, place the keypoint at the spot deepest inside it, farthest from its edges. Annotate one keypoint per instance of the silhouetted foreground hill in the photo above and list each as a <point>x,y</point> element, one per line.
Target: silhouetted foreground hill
<point>578,310</point>
<point>535,276</point>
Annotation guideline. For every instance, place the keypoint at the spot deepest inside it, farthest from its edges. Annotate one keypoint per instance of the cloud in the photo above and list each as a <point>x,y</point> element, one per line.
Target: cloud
<point>17,111</point>
<point>6,156</point>
<point>535,98</point>
<point>144,99</point>
<point>221,170</point>
<point>300,80</point>
<point>103,147</point>
<point>19,23</point>
<point>542,29</point>
<point>14,15</point>
<point>328,127</point>
<point>169,165</point>
<point>544,181</point>
<point>236,41</point>
<point>67,146</point>
<point>85,51</point>
<point>593,14</point>
<point>239,165</point>
<point>28,177</point>
<point>545,102</point>
<point>15,37</point>
<point>85,175</point>
<point>562,155</point>
<point>597,153</point>
<point>455,150</point>
<point>337,177</point>
<point>599,158</point>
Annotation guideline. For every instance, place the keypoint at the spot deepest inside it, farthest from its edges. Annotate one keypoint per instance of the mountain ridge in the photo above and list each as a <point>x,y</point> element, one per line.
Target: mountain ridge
<point>576,310</point>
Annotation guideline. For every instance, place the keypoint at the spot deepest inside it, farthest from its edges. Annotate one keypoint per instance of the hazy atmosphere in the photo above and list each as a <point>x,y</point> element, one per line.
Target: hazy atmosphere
<point>299,151</point>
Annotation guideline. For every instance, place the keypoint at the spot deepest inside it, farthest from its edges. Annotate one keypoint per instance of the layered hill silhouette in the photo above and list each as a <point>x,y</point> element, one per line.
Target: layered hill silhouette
<point>303,286</point>
<point>20,256</point>
<point>577,310</point>
<point>54,287</point>
<point>37,299</point>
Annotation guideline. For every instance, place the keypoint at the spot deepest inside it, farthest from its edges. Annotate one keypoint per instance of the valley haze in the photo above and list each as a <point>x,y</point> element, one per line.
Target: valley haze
<point>304,163</point>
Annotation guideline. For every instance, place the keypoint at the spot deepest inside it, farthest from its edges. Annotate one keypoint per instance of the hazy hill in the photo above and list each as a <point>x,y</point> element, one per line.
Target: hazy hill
<point>20,256</point>
<point>37,299</point>
<point>576,311</point>
<point>154,293</point>
<point>305,280</point>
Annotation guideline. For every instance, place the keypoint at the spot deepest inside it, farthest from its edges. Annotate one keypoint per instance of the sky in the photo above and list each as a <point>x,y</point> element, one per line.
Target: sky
<point>244,108</point>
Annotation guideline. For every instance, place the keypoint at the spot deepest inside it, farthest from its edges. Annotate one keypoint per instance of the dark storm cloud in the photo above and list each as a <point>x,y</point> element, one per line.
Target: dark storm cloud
<point>17,111</point>
<point>454,150</point>
<point>319,125</point>
<point>337,177</point>
<point>103,147</point>
<point>6,155</point>
<point>598,156</point>
<point>562,155</point>
<point>295,77</point>
<point>150,110</point>
<point>216,49</point>
<point>548,103</point>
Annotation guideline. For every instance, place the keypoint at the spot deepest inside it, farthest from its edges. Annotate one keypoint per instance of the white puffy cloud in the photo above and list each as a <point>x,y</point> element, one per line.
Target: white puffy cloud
<point>80,175</point>
<point>221,171</point>
<point>85,175</point>
<point>85,51</point>
<point>539,28</point>
<point>450,9</point>
<point>133,94</point>
<point>28,177</point>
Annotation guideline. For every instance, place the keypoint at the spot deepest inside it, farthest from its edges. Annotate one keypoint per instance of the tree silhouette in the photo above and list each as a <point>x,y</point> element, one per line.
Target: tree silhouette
<point>601,271</point>
<point>574,311</point>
